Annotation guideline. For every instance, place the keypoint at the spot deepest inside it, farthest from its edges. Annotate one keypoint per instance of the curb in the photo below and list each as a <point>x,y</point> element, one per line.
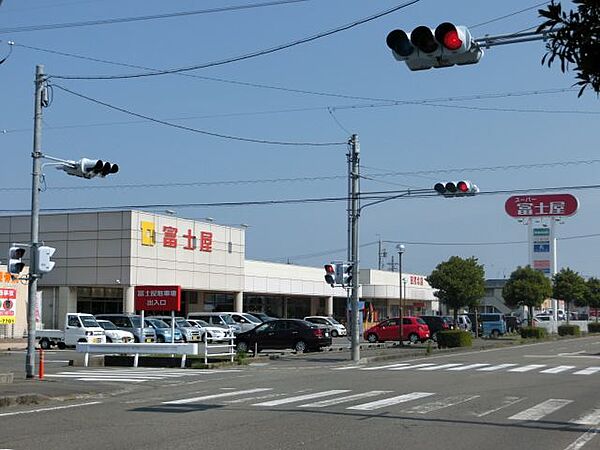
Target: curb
<point>23,399</point>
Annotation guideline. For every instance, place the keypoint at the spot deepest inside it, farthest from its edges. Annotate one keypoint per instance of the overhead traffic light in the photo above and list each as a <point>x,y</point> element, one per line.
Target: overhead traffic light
<point>44,264</point>
<point>89,168</point>
<point>456,188</point>
<point>424,48</point>
<point>330,273</point>
<point>15,265</point>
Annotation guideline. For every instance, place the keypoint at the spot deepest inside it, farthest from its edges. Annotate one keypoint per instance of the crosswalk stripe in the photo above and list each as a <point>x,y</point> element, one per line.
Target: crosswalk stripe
<point>469,366</point>
<point>541,409</point>
<point>592,418</point>
<point>588,371</point>
<point>558,369</point>
<point>505,403</point>
<point>346,368</point>
<point>527,368</point>
<point>412,367</point>
<point>496,367</point>
<point>348,398</point>
<point>441,404</point>
<point>301,398</point>
<point>385,367</point>
<point>443,366</point>
<point>107,376</point>
<point>390,401</point>
<point>128,380</point>
<point>213,396</point>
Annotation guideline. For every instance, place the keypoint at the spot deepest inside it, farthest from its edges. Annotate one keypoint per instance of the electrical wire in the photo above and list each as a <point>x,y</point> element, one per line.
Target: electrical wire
<point>244,56</point>
<point>56,26</point>
<point>507,15</point>
<point>195,130</point>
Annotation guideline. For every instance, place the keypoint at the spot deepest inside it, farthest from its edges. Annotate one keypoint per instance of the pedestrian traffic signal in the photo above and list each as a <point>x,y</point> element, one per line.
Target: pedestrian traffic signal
<point>456,188</point>
<point>15,265</point>
<point>44,264</point>
<point>425,48</point>
<point>89,168</point>
<point>330,271</point>
<point>347,272</point>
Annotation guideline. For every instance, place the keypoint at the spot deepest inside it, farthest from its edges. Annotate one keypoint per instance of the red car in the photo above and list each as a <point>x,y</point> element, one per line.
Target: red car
<point>414,329</point>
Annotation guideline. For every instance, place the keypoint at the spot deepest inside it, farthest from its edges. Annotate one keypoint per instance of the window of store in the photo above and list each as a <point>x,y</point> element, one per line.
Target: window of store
<point>99,300</point>
<point>271,305</point>
<point>218,302</point>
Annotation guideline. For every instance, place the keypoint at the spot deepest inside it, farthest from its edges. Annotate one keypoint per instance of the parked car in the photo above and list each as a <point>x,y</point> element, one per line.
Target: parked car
<point>245,321</point>
<point>189,332</point>
<point>513,324</point>
<point>113,334</point>
<point>337,329</point>
<point>217,319</point>
<point>284,333</point>
<point>163,330</point>
<point>212,333</point>
<point>493,324</point>
<point>450,321</point>
<point>436,324</point>
<point>79,327</point>
<point>476,320</point>
<point>414,329</point>
<point>463,322</point>
<point>131,323</point>
<point>263,317</point>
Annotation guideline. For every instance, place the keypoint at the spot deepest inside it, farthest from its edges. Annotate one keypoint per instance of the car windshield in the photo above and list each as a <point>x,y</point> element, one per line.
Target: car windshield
<point>202,323</point>
<point>108,325</point>
<point>183,323</point>
<point>136,321</point>
<point>228,320</point>
<point>421,321</point>
<point>157,323</point>
<point>252,319</point>
<point>89,321</point>
<point>333,321</point>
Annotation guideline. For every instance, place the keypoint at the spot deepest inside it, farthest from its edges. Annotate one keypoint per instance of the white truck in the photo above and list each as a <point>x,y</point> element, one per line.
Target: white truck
<point>79,327</point>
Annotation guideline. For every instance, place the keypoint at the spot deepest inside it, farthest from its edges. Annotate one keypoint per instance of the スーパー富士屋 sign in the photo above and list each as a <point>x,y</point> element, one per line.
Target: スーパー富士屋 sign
<point>158,298</point>
<point>541,205</point>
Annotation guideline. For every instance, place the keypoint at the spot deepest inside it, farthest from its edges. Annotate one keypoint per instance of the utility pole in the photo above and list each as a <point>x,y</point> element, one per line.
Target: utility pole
<point>35,220</point>
<point>354,159</point>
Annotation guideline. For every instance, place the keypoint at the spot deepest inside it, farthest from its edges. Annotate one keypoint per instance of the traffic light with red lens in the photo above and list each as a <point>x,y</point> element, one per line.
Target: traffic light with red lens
<point>330,274</point>
<point>456,188</point>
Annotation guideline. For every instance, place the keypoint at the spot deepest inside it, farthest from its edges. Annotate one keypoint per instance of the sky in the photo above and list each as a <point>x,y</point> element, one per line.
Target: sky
<point>506,123</point>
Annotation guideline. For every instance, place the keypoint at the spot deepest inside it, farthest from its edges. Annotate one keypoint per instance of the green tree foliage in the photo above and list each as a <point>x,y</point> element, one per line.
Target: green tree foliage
<point>574,38</point>
<point>593,294</point>
<point>569,286</point>
<point>526,287</point>
<point>460,282</point>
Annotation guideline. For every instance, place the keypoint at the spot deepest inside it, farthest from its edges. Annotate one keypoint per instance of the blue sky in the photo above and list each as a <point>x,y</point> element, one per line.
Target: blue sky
<point>400,138</point>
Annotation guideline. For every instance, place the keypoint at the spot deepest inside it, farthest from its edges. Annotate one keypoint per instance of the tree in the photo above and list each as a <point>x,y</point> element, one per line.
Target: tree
<point>574,38</point>
<point>593,294</point>
<point>460,283</point>
<point>569,286</point>
<point>526,287</point>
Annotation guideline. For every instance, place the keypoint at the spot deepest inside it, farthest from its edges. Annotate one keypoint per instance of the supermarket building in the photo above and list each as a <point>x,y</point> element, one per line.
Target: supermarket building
<point>102,256</point>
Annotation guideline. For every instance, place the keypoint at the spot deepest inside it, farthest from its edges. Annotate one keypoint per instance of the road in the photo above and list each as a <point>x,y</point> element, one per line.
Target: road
<point>540,396</point>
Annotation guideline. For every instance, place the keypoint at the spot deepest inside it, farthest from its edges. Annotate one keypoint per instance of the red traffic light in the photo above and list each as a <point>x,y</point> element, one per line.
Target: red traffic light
<point>452,41</point>
<point>463,186</point>
<point>329,268</point>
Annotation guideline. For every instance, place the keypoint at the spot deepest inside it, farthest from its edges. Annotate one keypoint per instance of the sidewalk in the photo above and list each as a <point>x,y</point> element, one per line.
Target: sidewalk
<point>13,344</point>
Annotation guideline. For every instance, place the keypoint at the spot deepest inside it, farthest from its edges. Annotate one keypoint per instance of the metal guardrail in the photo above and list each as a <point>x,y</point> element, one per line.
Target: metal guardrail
<point>137,349</point>
<point>230,346</point>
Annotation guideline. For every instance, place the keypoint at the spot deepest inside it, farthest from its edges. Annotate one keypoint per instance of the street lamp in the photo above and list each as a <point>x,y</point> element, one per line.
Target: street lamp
<point>400,248</point>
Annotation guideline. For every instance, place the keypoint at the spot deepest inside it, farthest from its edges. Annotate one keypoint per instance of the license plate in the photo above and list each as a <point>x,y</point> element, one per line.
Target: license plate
<point>96,340</point>
<point>148,339</point>
<point>195,338</point>
<point>326,334</point>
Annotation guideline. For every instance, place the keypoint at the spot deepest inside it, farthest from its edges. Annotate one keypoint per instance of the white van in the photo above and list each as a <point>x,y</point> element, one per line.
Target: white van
<point>217,319</point>
<point>464,323</point>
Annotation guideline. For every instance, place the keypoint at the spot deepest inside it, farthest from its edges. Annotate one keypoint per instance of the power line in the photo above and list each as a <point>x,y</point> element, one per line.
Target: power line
<point>507,15</point>
<point>245,56</point>
<point>56,26</point>
<point>195,130</point>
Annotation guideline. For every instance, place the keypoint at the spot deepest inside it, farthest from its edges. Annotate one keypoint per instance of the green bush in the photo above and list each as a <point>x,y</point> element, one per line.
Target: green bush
<point>533,332</point>
<point>569,330</point>
<point>594,327</point>
<point>454,338</point>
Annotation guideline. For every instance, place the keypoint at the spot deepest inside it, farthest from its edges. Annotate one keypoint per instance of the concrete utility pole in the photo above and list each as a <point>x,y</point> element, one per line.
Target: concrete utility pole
<point>354,158</point>
<point>35,220</point>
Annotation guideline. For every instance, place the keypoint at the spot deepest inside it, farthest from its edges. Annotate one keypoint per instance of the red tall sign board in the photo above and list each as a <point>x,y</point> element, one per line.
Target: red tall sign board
<point>541,205</point>
<point>158,298</point>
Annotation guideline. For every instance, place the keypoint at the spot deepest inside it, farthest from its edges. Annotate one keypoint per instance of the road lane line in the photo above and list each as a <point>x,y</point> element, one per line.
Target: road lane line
<point>385,367</point>
<point>391,401</point>
<point>347,368</point>
<point>470,366</point>
<point>301,398</point>
<point>496,367</point>
<point>441,404</point>
<point>527,368</point>
<point>592,418</point>
<point>558,369</point>
<point>348,398</point>
<point>588,371</point>
<point>415,366</point>
<point>443,366</point>
<point>183,401</point>
<point>54,408</point>
<point>583,439</point>
<point>508,401</point>
<point>541,409</point>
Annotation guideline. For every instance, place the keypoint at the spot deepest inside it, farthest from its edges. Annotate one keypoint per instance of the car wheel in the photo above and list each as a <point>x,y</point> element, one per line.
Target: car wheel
<point>45,344</point>
<point>242,346</point>
<point>61,345</point>
<point>372,338</point>
<point>413,338</point>
<point>160,339</point>
<point>300,347</point>
<point>109,340</point>
<point>334,333</point>
<point>495,334</point>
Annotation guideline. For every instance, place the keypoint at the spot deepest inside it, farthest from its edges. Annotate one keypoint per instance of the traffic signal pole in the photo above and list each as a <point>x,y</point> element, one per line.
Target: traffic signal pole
<point>35,220</point>
<point>354,158</point>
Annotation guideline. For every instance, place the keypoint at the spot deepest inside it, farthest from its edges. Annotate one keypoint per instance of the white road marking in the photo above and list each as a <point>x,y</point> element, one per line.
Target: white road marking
<point>592,418</point>
<point>496,367</point>
<point>213,396</point>
<point>249,399</point>
<point>415,366</point>
<point>385,367</point>
<point>128,380</point>
<point>348,398</point>
<point>583,439</point>
<point>588,371</point>
<point>441,404</point>
<point>31,411</point>
<point>108,375</point>
<point>347,367</point>
<point>391,401</point>
<point>301,398</point>
<point>541,409</point>
<point>558,369</point>
<point>443,366</point>
<point>527,368</point>
<point>470,366</point>
<point>508,401</point>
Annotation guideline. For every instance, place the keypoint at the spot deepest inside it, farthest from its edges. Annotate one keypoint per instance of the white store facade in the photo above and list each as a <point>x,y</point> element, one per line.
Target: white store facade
<point>102,256</point>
